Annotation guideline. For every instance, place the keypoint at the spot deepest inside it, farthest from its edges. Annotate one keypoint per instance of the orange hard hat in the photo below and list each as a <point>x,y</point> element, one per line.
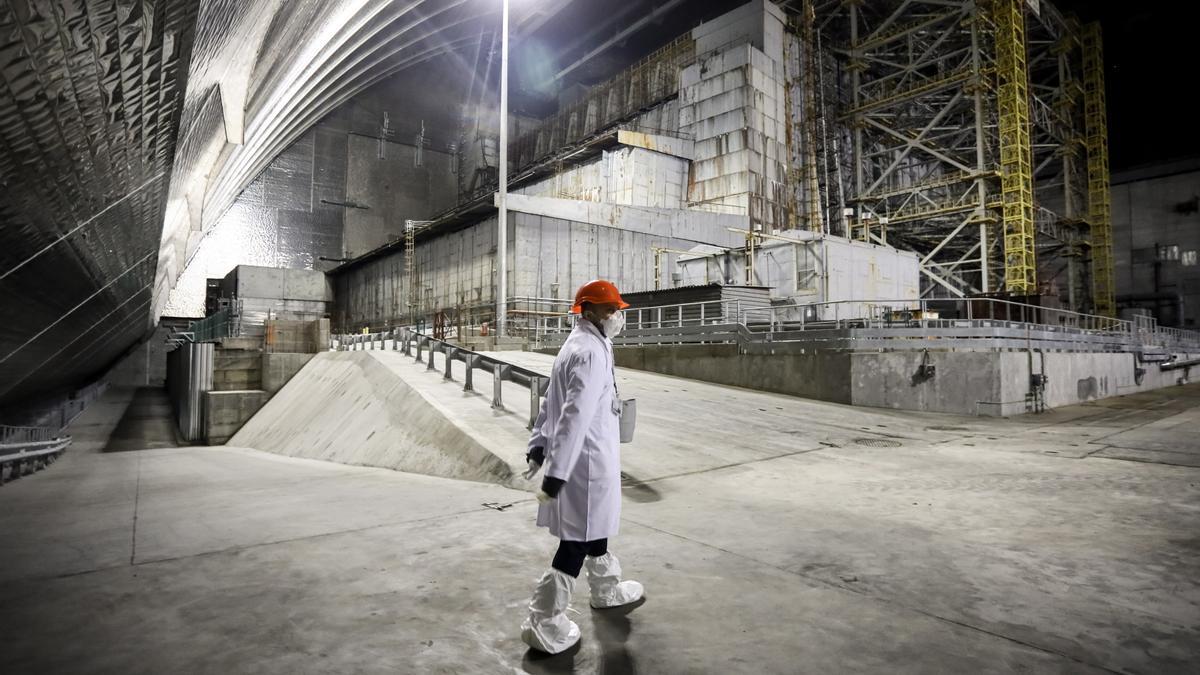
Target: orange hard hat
<point>598,292</point>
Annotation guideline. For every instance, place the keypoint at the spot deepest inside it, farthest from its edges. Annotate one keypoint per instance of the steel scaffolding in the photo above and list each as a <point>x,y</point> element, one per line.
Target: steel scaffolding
<point>955,131</point>
<point>802,101</point>
<point>1016,151</point>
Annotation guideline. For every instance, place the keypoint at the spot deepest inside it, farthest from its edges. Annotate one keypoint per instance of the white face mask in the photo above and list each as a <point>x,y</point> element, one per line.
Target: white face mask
<point>614,324</point>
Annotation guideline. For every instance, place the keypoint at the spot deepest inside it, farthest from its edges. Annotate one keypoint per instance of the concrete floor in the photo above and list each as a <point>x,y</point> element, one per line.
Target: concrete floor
<point>146,423</point>
<point>774,535</point>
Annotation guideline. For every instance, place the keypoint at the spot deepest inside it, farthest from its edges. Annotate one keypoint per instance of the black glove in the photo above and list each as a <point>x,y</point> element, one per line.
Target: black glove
<point>534,458</point>
<point>551,486</point>
<point>536,455</point>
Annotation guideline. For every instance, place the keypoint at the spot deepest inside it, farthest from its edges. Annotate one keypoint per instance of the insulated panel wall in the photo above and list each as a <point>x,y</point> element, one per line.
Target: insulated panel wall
<point>555,256</point>
<point>277,221</point>
<point>825,270</point>
<point>334,193</point>
<point>90,99</point>
<point>627,175</point>
<point>731,102</point>
<point>386,185</point>
<point>454,270</point>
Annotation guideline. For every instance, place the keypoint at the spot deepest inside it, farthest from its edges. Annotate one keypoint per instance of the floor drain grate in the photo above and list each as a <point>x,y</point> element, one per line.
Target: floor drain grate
<point>877,442</point>
<point>939,428</point>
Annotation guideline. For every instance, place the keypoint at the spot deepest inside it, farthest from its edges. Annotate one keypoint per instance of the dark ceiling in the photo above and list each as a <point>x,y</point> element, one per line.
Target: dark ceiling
<point>1149,52</point>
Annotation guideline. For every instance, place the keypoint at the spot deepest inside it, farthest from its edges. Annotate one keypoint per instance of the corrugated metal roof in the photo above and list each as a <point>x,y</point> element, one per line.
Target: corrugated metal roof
<point>90,101</point>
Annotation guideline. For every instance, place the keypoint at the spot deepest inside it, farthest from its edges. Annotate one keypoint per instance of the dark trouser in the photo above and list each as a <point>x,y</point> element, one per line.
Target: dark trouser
<point>570,555</point>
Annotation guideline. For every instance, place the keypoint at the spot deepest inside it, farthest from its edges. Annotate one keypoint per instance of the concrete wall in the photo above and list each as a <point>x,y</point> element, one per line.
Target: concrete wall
<point>996,383</point>
<point>819,375</point>
<point>267,294</point>
<point>1078,378</point>
<point>963,382</point>
<point>455,269</point>
<point>297,337</point>
<point>555,256</point>
<point>748,22</point>
<point>479,140</point>
<point>279,368</point>
<point>145,366</point>
<point>237,369</point>
<point>318,335</point>
<point>226,411</point>
<point>1150,209</point>
<point>283,284</point>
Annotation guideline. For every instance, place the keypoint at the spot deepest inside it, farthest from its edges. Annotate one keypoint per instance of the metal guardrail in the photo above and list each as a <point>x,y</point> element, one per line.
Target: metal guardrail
<point>24,450</point>
<point>899,324</point>
<point>10,435</point>
<point>72,409</point>
<point>525,314</point>
<point>422,348</point>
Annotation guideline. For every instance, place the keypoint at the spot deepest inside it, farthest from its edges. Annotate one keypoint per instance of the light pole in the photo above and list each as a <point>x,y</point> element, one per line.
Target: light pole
<point>502,223</point>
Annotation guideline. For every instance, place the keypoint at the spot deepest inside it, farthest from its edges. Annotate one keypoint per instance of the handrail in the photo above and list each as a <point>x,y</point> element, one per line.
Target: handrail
<point>23,450</point>
<point>12,434</point>
<point>404,340</point>
<point>778,323</point>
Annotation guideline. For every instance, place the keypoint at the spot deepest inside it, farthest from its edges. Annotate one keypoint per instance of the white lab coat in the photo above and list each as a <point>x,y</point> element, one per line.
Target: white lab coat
<point>580,431</point>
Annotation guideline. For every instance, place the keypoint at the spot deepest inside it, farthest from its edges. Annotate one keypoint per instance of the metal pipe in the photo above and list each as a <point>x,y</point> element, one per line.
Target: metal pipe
<point>855,83</point>
<point>502,224</point>
<point>981,186</point>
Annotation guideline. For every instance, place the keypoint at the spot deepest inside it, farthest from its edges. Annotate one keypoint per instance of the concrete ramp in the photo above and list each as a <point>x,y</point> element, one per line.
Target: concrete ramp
<point>379,408</point>
<point>384,409</point>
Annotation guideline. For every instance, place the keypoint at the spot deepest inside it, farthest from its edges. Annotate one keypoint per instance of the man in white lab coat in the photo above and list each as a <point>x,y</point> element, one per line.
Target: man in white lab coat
<point>577,437</point>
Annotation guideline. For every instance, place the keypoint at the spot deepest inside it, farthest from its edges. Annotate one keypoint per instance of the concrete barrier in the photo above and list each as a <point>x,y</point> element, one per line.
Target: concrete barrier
<point>226,411</point>
<point>374,408</point>
<point>985,382</point>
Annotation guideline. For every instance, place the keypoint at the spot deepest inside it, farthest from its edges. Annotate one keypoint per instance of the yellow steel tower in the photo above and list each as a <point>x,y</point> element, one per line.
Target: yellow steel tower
<point>1016,163</point>
<point>1099,205</point>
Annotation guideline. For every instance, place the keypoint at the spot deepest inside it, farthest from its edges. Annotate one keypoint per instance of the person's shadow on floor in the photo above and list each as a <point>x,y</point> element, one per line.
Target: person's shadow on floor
<point>612,632</point>
<point>539,662</point>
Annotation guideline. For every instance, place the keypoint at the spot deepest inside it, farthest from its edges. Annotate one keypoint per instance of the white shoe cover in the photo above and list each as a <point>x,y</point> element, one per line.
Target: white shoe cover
<point>547,628</point>
<point>604,577</point>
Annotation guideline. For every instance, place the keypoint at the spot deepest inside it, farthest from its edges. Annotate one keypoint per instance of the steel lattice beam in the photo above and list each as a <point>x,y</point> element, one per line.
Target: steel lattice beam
<point>959,136</point>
